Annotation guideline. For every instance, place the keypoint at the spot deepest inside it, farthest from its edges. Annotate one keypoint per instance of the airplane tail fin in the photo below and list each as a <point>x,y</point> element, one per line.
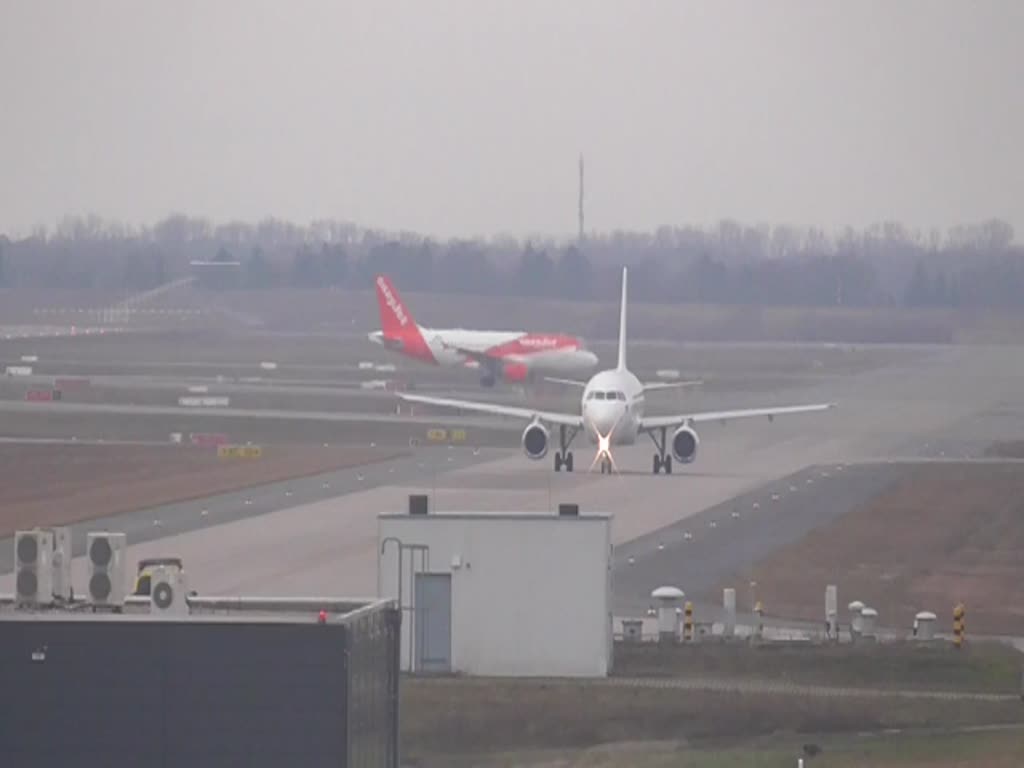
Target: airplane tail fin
<point>395,319</point>
<point>622,325</point>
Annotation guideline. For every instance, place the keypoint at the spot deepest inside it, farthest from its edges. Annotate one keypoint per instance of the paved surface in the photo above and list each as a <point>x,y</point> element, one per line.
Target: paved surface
<point>949,402</point>
<point>162,524</point>
<point>701,551</point>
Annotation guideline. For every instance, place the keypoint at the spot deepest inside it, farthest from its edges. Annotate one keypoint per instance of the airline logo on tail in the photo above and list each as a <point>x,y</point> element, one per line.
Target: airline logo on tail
<point>389,298</point>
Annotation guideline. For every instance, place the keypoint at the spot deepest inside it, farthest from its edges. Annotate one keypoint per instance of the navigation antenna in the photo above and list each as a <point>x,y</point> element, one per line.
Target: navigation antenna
<point>581,200</point>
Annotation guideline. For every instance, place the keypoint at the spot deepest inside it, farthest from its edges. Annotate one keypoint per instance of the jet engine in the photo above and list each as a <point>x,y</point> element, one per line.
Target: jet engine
<point>516,372</point>
<point>535,441</point>
<point>684,445</point>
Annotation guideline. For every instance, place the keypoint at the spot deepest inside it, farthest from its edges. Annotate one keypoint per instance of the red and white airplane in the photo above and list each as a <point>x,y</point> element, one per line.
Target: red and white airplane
<point>512,356</point>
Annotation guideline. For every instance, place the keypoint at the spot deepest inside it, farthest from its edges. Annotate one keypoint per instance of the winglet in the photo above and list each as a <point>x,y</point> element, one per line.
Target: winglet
<point>622,325</point>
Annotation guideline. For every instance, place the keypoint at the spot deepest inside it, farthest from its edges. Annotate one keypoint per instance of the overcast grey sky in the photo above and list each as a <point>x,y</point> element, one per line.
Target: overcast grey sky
<point>464,117</point>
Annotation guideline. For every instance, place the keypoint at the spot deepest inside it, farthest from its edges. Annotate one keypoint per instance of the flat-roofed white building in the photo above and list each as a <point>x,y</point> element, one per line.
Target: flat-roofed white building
<point>500,594</point>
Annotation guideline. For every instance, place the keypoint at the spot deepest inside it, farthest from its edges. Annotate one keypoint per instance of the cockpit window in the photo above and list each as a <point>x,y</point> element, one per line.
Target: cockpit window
<point>594,395</point>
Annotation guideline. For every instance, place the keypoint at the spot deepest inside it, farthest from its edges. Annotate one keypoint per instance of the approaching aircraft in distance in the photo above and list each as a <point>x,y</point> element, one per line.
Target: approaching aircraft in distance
<point>514,356</point>
<point>612,413</point>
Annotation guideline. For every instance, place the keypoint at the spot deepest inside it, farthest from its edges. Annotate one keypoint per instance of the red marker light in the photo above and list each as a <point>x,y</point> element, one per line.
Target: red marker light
<point>323,616</point>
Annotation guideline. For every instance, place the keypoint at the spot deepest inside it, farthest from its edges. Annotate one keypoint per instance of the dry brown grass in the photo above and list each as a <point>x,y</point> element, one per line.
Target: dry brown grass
<point>945,534</point>
<point>47,484</point>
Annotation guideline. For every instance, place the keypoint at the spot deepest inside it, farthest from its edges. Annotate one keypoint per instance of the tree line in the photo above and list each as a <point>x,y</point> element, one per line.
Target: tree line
<point>974,265</point>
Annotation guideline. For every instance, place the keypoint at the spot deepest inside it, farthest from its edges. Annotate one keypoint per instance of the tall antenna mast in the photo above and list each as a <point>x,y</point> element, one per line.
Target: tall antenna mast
<point>581,200</point>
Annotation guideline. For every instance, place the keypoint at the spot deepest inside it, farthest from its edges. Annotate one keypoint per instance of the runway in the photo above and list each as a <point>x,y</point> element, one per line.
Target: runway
<point>949,401</point>
<point>700,552</point>
<point>162,524</point>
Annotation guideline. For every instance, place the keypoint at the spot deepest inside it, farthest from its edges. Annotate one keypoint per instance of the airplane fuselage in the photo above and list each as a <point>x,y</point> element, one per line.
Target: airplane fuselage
<point>612,406</point>
<point>546,353</point>
<point>508,355</point>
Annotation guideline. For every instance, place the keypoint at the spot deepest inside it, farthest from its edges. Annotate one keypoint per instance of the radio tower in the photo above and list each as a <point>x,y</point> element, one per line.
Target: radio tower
<point>581,200</point>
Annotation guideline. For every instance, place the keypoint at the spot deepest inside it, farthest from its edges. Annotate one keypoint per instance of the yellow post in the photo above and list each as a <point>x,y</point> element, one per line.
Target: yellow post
<point>688,621</point>
<point>958,625</point>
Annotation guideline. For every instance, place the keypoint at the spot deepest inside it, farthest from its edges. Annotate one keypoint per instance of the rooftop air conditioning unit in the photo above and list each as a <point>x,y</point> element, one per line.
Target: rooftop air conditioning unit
<point>169,592</point>
<point>33,580</point>
<point>62,588</point>
<point>107,569</point>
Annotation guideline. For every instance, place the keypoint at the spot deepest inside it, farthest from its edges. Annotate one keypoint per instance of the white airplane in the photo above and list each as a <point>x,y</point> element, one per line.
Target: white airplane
<point>612,414</point>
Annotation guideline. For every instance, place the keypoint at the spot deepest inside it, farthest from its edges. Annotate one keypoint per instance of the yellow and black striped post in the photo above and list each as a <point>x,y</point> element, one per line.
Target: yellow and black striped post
<point>688,622</point>
<point>958,625</point>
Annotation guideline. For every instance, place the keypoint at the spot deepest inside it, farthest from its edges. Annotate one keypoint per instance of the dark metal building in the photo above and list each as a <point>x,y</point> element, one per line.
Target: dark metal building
<point>230,689</point>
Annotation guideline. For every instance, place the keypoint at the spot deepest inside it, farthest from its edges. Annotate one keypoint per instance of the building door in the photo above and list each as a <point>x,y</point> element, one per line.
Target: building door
<point>433,622</point>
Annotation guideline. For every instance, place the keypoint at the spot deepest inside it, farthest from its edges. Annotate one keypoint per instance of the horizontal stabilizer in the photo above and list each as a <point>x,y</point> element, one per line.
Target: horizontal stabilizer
<point>654,386</point>
<point>567,382</point>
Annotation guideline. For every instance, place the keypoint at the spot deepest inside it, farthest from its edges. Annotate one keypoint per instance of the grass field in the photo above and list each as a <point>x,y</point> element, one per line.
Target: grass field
<point>946,533</point>
<point>43,484</point>
<point>1003,748</point>
<point>982,667</point>
<point>446,721</point>
<point>504,722</point>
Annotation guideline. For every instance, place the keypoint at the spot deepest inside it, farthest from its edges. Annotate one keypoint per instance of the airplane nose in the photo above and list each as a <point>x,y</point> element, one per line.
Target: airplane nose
<point>587,357</point>
<point>602,417</point>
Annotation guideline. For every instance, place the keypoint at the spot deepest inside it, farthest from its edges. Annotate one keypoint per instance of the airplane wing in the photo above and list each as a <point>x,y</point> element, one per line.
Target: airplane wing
<point>495,409</point>
<point>567,382</point>
<point>658,422</point>
<point>654,386</point>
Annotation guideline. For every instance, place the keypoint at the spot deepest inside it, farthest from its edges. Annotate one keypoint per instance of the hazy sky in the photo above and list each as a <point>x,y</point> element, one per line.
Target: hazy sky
<point>467,116</point>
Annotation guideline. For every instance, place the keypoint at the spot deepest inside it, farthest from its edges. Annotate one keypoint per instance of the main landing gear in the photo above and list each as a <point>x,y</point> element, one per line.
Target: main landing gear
<point>563,457</point>
<point>662,459</point>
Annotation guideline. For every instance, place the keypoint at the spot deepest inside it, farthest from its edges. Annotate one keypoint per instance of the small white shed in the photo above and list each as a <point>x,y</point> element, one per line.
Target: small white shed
<point>500,594</point>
